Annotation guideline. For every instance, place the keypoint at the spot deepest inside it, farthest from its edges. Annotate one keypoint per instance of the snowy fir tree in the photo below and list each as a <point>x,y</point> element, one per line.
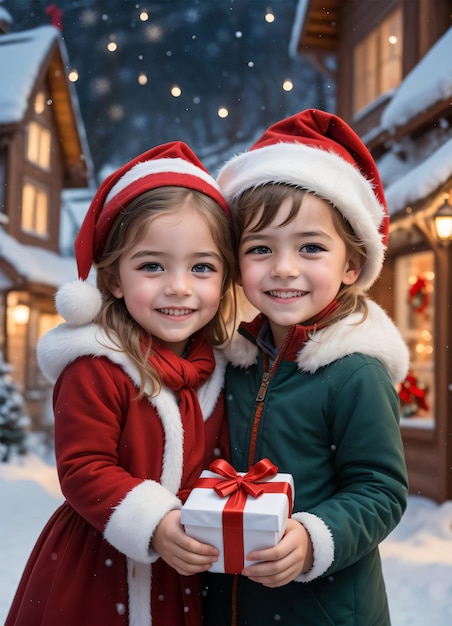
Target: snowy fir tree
<point>13,417</point>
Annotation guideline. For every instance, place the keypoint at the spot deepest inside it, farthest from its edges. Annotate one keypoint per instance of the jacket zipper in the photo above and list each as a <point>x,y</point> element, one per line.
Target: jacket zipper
<point>260,398</point>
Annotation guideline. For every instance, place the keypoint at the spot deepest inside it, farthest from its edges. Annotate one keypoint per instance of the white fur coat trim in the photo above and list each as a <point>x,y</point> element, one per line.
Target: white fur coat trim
<point>323,544</point>
<point>377,336</point>
<point>133,521</point>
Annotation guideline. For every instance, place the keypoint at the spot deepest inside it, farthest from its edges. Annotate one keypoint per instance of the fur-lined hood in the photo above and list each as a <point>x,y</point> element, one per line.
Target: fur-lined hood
<point>377,336</point>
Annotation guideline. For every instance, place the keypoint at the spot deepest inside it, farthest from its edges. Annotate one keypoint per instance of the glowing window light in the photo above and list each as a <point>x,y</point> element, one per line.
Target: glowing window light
<point>21,314</point>
<point>40,103</point>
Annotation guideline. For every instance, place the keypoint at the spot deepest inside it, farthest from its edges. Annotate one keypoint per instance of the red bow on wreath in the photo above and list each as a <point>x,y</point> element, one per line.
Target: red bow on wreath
<point>418,295</point>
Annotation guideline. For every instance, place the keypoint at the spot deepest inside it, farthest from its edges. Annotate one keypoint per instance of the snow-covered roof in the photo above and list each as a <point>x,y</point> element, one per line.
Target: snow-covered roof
<point>36,264</point>
<point>418,181</point>
<point>21,57</point>
<point>300,16</point>
<point>429,82</point>
<point>415,168</point>
<point>5,16</point>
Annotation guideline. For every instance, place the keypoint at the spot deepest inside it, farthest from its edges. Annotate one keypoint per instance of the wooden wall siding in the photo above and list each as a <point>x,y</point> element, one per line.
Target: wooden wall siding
<point>75,172</point>
<point>359,19</point>
<point>320,30</point>
<point>422,459</point>
<point>424,22</point>
<point>15,171</point>
<point>443,369</point>
<point>434,18</point>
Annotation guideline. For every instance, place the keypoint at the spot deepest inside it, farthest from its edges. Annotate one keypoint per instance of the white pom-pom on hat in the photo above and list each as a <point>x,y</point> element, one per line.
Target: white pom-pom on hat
<point>78,302</point>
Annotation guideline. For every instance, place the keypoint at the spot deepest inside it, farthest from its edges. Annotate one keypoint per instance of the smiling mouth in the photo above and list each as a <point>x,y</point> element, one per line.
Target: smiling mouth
<point>286,294</point>
<point>176,312</point>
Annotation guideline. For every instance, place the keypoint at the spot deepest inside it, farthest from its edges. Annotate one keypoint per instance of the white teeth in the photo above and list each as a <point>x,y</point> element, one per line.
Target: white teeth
<point>176,312</point>
<point>285,294</point>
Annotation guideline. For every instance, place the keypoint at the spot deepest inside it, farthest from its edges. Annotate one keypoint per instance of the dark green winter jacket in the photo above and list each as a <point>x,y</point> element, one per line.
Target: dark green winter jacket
<point>329,416</point>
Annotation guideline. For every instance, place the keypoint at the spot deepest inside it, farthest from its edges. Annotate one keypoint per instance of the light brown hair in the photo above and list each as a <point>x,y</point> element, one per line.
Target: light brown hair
<point>126,231</point>
<point>265,202</point>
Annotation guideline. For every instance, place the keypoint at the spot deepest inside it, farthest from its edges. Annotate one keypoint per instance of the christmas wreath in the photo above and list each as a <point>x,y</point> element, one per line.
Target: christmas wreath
<point>418,295</point>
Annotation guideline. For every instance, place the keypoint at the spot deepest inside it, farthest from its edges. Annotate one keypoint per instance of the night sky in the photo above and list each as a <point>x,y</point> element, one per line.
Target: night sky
<point>213,73</point>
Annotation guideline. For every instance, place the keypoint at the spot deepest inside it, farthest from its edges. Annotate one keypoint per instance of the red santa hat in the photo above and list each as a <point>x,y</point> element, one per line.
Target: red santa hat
<point>171,164</point>
<point>319,152</point>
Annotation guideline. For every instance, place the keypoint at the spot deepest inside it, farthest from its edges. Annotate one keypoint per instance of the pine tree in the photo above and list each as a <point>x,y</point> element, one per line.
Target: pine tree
<point>13,417</point>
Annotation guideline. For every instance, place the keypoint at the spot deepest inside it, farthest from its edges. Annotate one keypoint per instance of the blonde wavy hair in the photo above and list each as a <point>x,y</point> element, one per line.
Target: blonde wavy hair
<point>114,318</point>
<point>266,200</point>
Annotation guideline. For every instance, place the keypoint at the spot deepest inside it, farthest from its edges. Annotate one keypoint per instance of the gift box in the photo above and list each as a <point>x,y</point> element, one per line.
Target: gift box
<point>238,512</point>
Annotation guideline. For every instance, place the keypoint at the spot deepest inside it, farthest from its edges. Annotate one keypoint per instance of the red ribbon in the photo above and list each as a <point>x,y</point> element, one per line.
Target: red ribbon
<point>238,488</point>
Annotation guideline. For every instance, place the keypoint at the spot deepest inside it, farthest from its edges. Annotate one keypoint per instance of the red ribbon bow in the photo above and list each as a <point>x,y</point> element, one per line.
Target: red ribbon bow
<point>238,487</point>
<point>262,470</point>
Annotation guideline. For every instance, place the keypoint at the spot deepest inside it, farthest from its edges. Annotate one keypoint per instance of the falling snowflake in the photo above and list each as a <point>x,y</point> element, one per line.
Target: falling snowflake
<point>101,86</point>
<point>154,33</point>
<point>116,112</point>
<point>88,17</point>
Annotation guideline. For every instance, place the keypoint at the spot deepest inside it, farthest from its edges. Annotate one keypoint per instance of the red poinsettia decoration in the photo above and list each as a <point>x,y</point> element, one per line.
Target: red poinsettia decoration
<point>412,395</point>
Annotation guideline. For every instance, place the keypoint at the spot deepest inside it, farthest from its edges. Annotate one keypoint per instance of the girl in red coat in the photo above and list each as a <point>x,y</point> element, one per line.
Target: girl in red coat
<point>137,400</point>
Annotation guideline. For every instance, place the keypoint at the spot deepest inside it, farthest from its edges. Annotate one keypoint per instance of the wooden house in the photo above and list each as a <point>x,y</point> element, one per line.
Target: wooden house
<point>391,62</point>
<point>43,151</point>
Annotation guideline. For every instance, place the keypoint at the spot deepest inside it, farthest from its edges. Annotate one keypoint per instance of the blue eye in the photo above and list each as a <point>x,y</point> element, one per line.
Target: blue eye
<point>311,248</point>
<point>202,268</point>
<point>259,250</point>
<point>151,267</point>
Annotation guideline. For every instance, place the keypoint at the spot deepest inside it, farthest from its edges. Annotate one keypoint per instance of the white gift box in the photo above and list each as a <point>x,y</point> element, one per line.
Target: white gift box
<point>264,519</point>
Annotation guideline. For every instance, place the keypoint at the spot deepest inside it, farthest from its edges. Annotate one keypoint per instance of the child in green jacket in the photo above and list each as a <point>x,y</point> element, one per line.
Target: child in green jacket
<point>312,378</point>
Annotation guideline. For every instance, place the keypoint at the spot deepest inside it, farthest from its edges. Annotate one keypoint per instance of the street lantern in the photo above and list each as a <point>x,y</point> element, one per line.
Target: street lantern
<point>443,222</point>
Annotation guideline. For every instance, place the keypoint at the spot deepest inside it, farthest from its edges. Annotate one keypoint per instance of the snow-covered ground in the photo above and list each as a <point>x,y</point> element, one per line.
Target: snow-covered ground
<point>417,556</point>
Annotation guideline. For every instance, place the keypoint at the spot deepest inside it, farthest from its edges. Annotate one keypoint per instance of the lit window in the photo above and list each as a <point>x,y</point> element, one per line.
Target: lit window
<point>34,210</point>
<point>40,103</point>
<point>38,145</point>
<point>415,283</point>
<point>378,61</point>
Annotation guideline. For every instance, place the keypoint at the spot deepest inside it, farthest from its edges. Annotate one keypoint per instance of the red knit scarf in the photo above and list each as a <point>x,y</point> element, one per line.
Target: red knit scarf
<point>185,375</point>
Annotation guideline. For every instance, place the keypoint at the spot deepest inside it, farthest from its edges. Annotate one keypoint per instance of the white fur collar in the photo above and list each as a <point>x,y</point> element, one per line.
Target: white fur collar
<point>377,336</point>
<point>65,343</point>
